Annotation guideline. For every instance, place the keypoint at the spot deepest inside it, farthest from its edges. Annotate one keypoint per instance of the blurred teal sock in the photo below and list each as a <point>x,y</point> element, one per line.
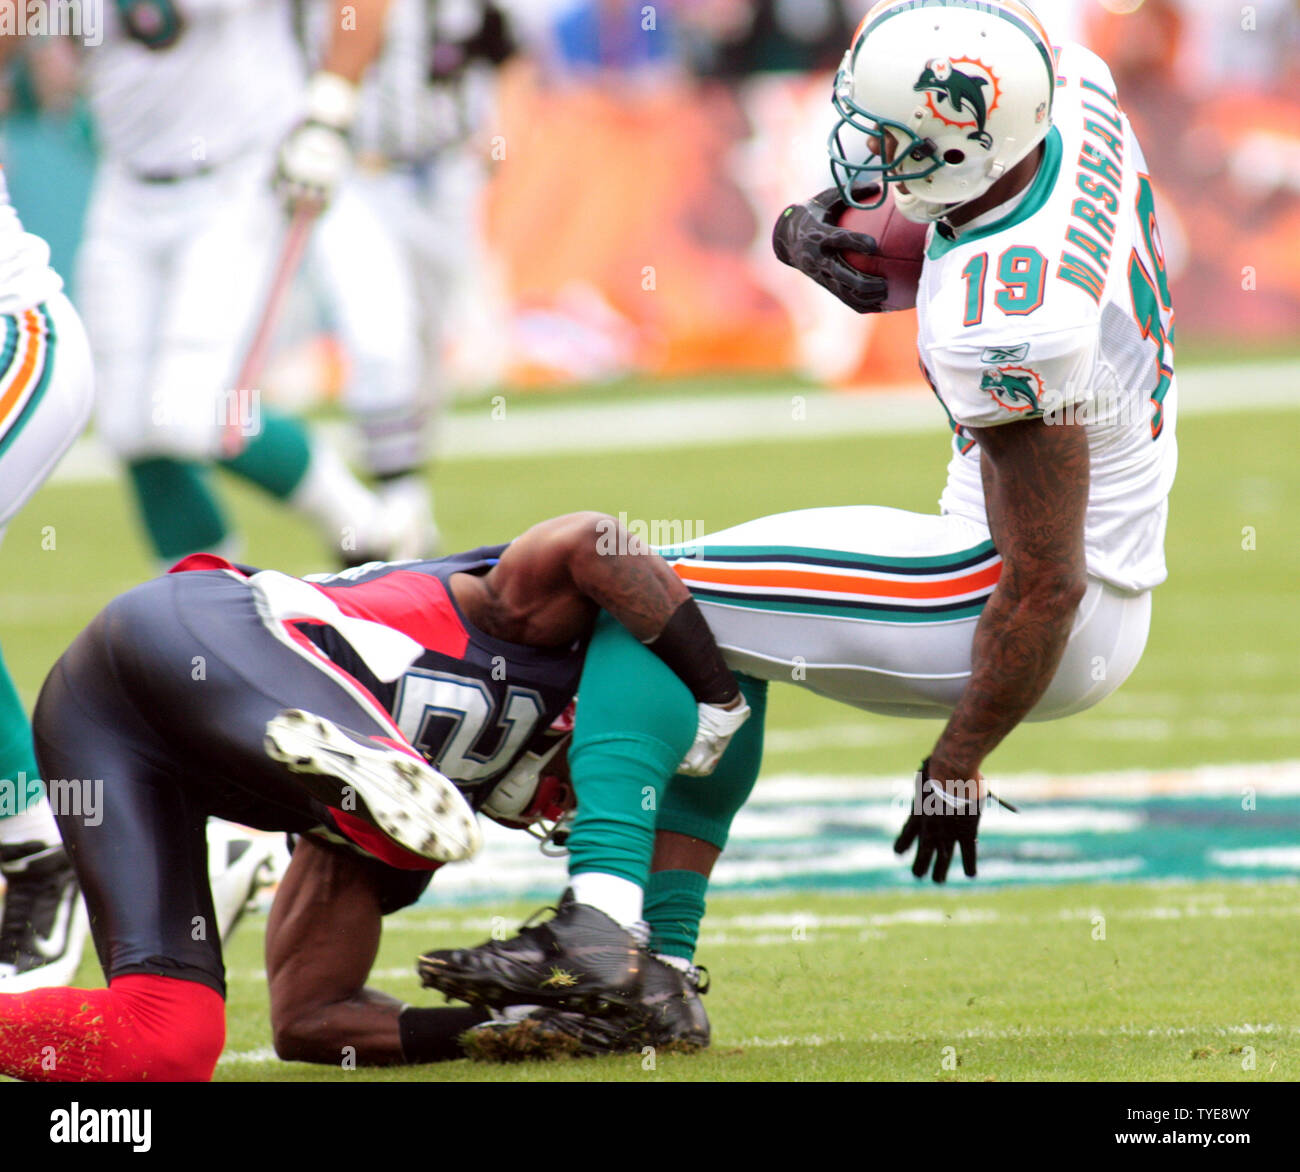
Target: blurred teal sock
<point>18,768</point>
<point>180,511</point>
<point>674,907</point>
<point>276,458</point>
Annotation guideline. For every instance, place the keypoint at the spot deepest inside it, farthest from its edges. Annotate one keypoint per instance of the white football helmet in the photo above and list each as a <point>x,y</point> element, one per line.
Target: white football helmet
<point>536,794</point>
<point>951,94</point>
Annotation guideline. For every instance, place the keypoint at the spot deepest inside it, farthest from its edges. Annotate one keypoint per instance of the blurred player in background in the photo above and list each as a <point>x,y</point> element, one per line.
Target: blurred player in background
<point>401,244</point>
<point>191,101</point>
<point>1046,332</point>
<point>46,392</point>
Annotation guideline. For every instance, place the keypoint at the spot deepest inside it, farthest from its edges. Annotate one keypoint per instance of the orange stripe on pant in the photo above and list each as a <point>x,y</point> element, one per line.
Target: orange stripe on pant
<point>839,583</point>
<point>34,327</point>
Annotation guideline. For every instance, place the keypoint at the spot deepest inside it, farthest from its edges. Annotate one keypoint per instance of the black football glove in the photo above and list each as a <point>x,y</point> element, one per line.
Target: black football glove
<point>938,823</point>
<point>807,238</point>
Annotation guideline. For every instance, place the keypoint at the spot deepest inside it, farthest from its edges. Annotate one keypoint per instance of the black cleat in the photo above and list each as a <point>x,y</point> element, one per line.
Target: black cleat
<point>580,959</point>
<point>671,1001</point>
<point>668,1016</point>
<point>44,927</point>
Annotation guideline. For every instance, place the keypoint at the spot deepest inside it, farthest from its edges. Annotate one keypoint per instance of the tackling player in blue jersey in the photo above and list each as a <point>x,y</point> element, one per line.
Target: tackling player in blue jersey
<point>315,708</point>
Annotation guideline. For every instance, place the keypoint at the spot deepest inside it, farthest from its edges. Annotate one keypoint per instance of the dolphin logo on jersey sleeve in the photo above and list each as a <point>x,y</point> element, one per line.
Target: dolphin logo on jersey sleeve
<point>1017,388</point>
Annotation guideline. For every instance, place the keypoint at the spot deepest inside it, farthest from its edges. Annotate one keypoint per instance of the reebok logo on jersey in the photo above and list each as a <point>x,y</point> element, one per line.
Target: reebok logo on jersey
<point>995,354</point>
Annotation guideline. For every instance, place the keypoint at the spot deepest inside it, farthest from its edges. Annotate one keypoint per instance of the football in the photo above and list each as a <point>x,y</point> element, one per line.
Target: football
<point>901,250</point>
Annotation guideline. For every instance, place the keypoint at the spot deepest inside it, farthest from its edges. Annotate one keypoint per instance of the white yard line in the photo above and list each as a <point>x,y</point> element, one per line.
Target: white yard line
<point>510,426</point>
<point>1246,1029</point>
<point>265,1055</point>
<point>1281,778</point>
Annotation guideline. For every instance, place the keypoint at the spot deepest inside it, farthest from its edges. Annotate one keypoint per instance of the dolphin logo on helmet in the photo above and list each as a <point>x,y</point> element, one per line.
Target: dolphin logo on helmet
<point>949,95</point>
<point>962,91</point>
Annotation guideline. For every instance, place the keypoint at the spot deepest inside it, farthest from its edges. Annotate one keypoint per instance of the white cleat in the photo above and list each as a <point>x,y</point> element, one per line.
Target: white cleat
<point>407,799</point>
<point>44,926</point>
<point>241,863</point>
<point>406,506</point>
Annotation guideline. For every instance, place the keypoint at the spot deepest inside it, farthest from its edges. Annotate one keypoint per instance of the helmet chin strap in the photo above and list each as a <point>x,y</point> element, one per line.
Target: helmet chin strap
<point>921,211</point>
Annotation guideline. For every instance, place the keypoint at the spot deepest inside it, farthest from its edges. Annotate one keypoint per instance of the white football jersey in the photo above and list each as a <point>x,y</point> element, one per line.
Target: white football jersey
<point>1060,309</point>
<point>190,84</point>
<point>26,278</point>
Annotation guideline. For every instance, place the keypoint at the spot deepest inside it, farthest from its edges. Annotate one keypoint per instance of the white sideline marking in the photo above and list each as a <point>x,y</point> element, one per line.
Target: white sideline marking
<point>1281,778</point>
<point>534,428</point>
<point>1276,856</point>
<point>1146,729</point>
<point>1248,1029</point>
<point>261,1055</point>
<point>265,1054</point>
<point>731,932</point>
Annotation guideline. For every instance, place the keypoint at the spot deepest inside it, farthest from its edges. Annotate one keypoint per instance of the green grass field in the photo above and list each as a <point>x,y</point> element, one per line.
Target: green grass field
<point>1192,981</point>
<point>878,987</point>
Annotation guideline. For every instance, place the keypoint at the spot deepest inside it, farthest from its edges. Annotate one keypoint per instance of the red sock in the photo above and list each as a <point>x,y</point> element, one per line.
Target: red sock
<point>141,1028</point>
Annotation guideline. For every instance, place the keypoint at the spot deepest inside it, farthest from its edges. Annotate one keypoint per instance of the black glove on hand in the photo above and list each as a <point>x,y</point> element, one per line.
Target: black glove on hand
<point>939,822</point>
<point>806,238</point>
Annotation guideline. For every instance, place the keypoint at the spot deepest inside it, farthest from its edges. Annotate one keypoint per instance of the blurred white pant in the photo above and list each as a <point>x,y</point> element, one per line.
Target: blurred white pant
<point>399,257</point>
<point>170,278</point>
<point>877,608</point>
<point>368,278</point>
<point>46,391</point>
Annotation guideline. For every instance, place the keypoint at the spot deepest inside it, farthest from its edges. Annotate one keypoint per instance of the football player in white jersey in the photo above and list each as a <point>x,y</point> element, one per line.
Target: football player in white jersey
<point>1046,328</point>
<point>1046,332</point>
<point>45,401</point>
<point>192,99</point>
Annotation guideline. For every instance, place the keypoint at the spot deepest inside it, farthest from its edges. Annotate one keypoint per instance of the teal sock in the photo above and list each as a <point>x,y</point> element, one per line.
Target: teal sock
<point>674,903</point>
<point>635,721</point>
<point>19,773</point>
<point>276,458</point>
<point>180,513</point>
<point>674,907</point>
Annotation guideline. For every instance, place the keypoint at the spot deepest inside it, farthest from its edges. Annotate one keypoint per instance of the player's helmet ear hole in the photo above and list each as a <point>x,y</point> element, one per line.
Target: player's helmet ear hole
<point>954,157</point>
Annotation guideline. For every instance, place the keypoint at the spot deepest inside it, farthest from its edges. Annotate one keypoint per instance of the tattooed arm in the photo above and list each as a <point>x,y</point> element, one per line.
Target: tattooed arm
<point>1036,492</point>
<point>549,584</point>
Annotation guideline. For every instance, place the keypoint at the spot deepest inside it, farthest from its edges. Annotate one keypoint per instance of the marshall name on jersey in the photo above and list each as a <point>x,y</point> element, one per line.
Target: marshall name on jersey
<point>1059,309</point>
<point>470,703</point>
